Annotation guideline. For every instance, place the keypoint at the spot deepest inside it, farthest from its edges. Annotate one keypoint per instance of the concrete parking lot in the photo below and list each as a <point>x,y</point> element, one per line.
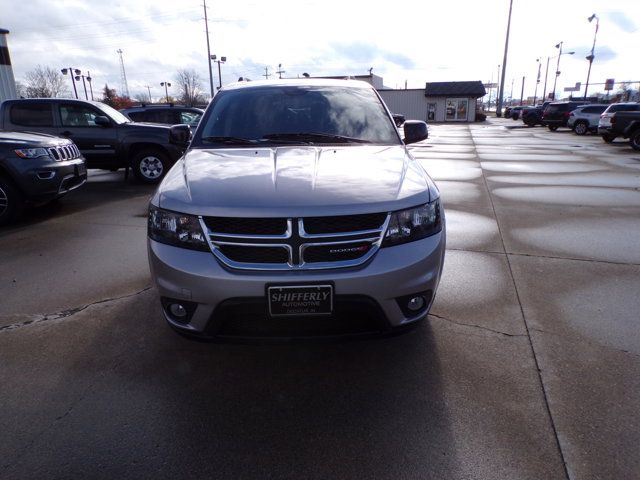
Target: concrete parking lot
<point>527,368</point>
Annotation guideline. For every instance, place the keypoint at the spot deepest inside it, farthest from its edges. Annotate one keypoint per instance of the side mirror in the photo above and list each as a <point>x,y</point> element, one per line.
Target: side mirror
<point>180,134</point>
<point>398,119</point>
<point>415,131</point>
<point>102,121</point>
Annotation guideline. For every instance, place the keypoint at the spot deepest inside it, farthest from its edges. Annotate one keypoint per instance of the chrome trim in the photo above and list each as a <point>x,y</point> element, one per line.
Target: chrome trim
<point>287,234</point>
<point>303,233</point>
<point>65,190</point>
<point>375,246</point>
<point>376,239</point>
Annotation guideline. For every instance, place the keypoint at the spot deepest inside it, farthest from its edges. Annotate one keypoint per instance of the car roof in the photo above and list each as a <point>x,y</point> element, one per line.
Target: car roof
<point>297,82</point>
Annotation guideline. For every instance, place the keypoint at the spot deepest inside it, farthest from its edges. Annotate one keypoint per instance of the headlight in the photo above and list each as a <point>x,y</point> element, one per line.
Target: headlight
<point>413,224</point>
<point>177,229</point>
<point>32,152</point>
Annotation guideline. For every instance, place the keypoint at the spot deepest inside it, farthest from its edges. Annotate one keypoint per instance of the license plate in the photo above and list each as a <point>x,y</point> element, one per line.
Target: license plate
<point>300,300</point>
<point>82,169</point>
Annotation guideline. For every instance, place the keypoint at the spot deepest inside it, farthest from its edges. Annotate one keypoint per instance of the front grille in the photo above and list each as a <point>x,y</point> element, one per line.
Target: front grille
<point>246,226</point>
<point>295,243</point>
<point>64,152</point>
<point>250,254</point>
<point>336,253</point>
<point>344,223</point>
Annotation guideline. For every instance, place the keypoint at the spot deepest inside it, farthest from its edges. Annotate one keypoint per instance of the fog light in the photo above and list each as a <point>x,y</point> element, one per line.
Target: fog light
<point>178,311</point>
<point>416,303</point>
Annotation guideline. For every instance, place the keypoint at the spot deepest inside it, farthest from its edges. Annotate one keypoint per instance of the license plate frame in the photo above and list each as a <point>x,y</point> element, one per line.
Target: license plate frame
<point>303,300</point>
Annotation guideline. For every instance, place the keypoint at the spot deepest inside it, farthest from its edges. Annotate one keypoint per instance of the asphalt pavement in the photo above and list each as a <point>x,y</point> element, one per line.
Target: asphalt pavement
<point>527,367</point>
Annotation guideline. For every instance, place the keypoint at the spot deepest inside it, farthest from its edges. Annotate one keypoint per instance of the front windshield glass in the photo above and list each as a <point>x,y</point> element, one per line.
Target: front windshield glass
<point>278,111</point>
<point>114,114</point>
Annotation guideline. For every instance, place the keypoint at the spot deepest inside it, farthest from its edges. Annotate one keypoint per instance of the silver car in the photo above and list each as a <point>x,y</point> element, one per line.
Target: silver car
<point>585,118</point>
<point>297,211</point>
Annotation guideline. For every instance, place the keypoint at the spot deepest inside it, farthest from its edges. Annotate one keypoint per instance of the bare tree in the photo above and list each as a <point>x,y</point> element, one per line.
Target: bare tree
<point>142,98</point>
<point>190,85</point>
<point>45,82</point>
<point>21,90</point>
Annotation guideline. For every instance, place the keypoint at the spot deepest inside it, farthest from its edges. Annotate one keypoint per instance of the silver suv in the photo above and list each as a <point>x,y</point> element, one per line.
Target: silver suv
<point>585,118</point>
<point>297,211</point>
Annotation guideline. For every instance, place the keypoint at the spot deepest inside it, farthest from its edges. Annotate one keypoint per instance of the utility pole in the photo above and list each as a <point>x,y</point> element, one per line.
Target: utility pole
<point>546,74</point>
<point>206,29</point>
<point>522,91</point>
<point>123,76</point>
<point>266,73</point>
<point>504,64</point>
<point>535,94</point>
<point>149,90</point>
<point>280,71</point>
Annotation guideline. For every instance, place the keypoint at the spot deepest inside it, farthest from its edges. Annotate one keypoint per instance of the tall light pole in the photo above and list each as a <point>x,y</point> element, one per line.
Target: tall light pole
<point>89,80</point>
<point>72,71</point>
<point>88,77</point>
<point>535,94</point>
<point>504,64</point>
<point>222,60</point>
<point>166,91</point>
<point>591,56</point>
<point>522,91</point>
<point>206,28</point>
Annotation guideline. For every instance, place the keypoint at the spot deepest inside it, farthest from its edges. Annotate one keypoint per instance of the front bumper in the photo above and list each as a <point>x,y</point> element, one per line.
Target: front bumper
<point>604,130</point>
<point>45,179</point>
<point>368,295</point>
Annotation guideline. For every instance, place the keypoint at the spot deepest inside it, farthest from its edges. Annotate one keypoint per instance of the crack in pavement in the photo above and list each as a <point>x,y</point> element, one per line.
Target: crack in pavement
<point>480,327</point>
<point>593,344</point>
<point>67,313</point>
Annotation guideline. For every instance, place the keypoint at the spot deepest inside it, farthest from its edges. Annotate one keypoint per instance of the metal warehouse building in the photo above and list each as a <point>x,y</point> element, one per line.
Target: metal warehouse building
<point>437,102</point>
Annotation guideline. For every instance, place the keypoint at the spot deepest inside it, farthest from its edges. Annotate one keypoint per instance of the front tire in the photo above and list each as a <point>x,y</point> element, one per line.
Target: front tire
<point>634,141</point>
<point>608,138</point>
<point>581,128</point>
<point>150,165</point>
<point>11,202</point>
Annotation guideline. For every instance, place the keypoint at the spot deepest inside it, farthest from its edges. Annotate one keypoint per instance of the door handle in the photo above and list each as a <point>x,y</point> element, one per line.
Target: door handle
<point>66,133</point>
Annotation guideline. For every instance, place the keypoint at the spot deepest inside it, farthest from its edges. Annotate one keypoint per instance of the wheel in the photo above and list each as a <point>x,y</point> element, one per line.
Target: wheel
<point>634,140</point>
<point>11,202</point>
<point>530,122</point>
<point>581,128</point>
<point>608,138</point>
<point>149,165</point>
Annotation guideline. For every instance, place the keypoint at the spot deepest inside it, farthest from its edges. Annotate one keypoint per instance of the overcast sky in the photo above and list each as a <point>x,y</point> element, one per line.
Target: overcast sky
<point>403,41</point>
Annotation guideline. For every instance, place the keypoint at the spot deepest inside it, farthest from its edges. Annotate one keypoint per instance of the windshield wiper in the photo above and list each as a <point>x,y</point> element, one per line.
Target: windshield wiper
<point>311,137</point>
<point>229,140</point>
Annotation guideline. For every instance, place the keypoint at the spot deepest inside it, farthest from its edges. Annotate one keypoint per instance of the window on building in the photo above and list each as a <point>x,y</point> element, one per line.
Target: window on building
<point>457,109</point>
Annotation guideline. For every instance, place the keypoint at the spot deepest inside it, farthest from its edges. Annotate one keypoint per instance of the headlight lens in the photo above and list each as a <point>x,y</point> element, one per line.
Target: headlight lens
<point>32,152</point>
<point>177,229</point>
<point>413,224</point>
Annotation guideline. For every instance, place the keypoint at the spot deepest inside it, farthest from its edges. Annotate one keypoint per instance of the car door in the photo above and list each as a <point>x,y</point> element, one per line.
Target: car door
<point>97,143</point>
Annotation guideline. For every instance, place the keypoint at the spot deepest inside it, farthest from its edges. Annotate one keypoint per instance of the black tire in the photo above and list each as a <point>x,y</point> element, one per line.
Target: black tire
<point>552,128</point>
<point>530,122</point>
<point>150,165</point>
<point>11,202</point>
<point>581,128</point>
<point>608,138</point>
<point>634,140</point>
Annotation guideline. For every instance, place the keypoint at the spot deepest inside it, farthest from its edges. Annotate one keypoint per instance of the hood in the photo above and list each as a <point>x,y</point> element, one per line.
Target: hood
<point>32,139</point>
<point>294,181</point>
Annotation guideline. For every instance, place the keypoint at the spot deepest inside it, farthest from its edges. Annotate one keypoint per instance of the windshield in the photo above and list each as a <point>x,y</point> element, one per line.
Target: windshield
<point>298,114</point>
<point>114,114</point>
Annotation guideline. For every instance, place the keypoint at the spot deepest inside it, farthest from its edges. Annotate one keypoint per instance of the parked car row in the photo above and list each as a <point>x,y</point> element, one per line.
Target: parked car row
<point>610,121</point>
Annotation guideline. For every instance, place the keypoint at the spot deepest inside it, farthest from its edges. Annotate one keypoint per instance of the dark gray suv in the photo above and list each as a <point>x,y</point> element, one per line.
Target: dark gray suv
<point>297,211</point>
<point>35,169</point>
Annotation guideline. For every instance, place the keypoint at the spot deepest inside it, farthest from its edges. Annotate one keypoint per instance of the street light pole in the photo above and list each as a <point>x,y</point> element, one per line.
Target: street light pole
<point>206,27</point>
<point>71,72</point>
<point>522,91</point>
<point>89,80</point>
<point>535,94</point>
<point>592,56</point>
<point>504,65</point>
<point>166,91</point>
<point>546,75</point>
<point>559,45</point>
